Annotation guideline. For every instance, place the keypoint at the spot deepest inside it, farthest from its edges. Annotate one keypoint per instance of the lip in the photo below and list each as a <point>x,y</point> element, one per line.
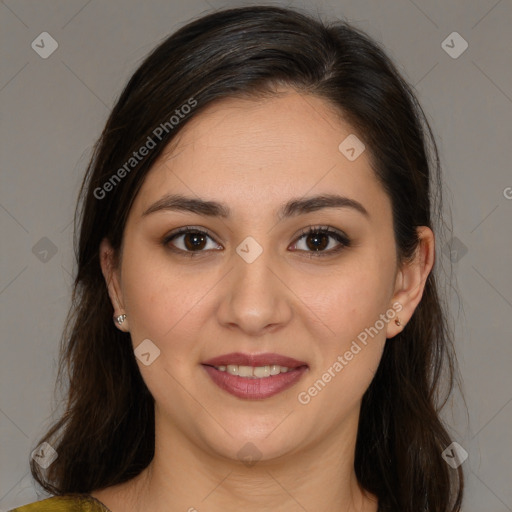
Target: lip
<point>254,360</point>
<point>255,389</point>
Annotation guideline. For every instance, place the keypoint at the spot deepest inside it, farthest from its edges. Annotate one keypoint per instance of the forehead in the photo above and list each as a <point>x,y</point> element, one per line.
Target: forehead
<point>254,154</point>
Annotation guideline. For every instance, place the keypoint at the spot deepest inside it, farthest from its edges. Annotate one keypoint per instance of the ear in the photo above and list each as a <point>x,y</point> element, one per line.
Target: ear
<point>110,270</point>
<point>410,280</point>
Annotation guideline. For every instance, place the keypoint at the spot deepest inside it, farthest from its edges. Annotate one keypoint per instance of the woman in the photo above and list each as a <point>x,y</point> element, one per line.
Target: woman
<point>255,319</point>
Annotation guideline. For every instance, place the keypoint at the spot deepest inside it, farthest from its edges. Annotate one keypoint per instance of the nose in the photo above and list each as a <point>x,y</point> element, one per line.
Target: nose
<point>255,298</point>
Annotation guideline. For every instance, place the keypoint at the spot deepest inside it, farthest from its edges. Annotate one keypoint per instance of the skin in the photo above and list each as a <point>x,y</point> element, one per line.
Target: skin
<point>254,156</point>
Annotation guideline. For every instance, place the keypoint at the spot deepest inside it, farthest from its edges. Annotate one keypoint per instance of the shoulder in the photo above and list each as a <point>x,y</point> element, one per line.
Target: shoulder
<point>68,503</point>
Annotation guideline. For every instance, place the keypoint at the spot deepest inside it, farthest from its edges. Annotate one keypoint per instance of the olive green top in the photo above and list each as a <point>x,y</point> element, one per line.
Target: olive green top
<point>70,503</point>
<point>75,503</point>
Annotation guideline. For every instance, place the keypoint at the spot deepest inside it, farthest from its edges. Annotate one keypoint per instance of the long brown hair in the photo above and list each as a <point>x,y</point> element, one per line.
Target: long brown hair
<point>106,434</point>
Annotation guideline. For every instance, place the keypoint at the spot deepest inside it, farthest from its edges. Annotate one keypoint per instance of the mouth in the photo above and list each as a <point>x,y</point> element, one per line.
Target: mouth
<point>254,377</point>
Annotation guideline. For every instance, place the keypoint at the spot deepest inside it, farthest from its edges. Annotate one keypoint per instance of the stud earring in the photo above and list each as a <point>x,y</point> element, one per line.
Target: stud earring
<point>397,321</point>
<point>120,319</point>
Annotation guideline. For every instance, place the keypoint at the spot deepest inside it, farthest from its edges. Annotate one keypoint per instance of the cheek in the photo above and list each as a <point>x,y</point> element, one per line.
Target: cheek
<point>349,299</point>
<point>161,305</point>
<point>167,302</point>
<point>350,303</point>
<point>347,358</point>
<point>153,295</point>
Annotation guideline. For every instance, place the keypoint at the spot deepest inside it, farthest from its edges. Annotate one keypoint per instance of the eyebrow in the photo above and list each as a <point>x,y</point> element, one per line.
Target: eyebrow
<point>294,207</point>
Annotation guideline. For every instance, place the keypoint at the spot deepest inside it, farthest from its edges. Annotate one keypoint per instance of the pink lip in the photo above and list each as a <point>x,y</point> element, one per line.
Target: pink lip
<point>255,389</point>
<point>254,360</point>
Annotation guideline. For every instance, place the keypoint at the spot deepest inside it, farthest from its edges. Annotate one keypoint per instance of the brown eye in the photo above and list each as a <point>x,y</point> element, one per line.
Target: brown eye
<point>317,240</point>
<point>188,240</point>
<point>321,241</point>
<point>193,241</point>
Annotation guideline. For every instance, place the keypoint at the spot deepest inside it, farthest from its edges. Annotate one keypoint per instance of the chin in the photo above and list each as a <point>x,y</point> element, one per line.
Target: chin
<point>250,442</point>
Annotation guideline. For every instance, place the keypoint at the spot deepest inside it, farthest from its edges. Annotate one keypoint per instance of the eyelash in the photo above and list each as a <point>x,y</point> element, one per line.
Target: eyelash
<point>311,230</point>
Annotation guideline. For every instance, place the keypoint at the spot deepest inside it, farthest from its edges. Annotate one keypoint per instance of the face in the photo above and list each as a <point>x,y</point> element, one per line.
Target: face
<point>254,282</point>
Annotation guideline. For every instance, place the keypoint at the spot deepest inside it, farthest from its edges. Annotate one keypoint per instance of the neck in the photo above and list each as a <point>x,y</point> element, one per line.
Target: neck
<point>183,476</point>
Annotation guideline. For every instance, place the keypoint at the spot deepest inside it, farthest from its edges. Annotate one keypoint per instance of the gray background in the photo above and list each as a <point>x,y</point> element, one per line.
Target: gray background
<point>53,110</point>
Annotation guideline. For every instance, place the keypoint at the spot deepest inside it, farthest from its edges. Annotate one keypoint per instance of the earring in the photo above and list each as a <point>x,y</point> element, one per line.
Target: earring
<point>397,321</point>
<point>120,319</point>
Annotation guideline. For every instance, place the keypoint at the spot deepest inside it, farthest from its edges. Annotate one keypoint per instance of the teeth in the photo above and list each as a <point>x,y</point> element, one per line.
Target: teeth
<point>232,368</point>
<point>252,372</point>
<point>261,371</point>
<point>275,369</point>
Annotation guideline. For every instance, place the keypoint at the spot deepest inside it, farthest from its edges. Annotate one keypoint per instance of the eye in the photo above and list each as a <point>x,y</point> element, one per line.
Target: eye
<point>318,238</point>
<point>193,241</point>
